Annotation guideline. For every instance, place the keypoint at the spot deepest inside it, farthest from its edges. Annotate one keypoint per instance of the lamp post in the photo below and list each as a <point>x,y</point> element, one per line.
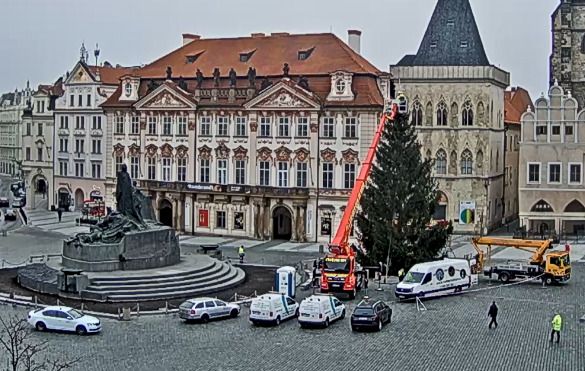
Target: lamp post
<point>484,224</point>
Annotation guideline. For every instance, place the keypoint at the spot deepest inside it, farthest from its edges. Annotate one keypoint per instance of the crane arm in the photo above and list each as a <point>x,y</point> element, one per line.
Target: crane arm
<point>340,243</point>
<point>536,247</point>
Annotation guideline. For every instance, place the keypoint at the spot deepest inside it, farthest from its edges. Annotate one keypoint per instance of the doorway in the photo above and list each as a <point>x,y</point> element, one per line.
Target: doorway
<point>166,213</point>
<point>281,224</point>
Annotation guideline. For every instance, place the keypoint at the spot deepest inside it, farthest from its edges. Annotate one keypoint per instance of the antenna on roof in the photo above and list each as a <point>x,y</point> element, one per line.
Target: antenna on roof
<point>96,53</point>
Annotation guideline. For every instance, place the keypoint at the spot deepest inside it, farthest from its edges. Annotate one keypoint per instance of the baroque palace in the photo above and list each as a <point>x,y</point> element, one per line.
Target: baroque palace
<point>258,136</point>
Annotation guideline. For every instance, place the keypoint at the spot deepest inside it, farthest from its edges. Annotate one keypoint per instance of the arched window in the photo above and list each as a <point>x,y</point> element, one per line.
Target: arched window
<point>466,163</point>
<point>441,162</point>
<point>417,114</point>
<point>467,114</point>
<point>442,114</point>
<point>542,206</point>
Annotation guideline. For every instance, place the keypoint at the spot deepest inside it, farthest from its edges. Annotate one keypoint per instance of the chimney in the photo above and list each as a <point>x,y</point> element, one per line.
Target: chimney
<point>354,39</point>
<point>188,37</point>
<point>258,34</point>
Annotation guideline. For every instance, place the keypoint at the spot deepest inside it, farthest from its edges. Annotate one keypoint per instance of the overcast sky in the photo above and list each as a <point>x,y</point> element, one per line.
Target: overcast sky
<point>40,39</point>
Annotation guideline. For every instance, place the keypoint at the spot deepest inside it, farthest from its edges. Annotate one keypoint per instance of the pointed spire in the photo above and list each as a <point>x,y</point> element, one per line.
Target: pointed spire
<point>452,37</point>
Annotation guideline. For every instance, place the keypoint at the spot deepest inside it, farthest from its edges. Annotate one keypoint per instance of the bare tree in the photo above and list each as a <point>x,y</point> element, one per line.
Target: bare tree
<point>24,353</point>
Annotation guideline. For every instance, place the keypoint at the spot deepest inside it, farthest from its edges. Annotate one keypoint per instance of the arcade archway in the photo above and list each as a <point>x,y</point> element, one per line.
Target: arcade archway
<point>165,211</point>
<point>281,223</point>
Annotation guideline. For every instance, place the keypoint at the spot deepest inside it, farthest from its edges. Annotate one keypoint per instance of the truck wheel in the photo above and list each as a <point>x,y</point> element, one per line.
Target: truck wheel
<point>342,314</point>
<point>380,325</point>
<point>277,321</point>
<point>504,277</point>
<point>326,322</point>
<point>548,281</point>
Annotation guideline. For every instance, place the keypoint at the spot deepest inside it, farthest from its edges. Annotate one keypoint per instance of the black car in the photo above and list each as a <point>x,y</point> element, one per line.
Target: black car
<point>370,314</point>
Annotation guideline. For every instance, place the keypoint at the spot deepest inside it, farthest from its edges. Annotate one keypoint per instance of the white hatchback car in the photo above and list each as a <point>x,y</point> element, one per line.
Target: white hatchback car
<point>205,309</point>
<point>63,319</point>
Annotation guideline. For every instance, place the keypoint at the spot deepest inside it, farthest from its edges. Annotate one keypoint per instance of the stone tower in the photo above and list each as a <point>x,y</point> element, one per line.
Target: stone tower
<point>457,104</point>
<point>567,60</point>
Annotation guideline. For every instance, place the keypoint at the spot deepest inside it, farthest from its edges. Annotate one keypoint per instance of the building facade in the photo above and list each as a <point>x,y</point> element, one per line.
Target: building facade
<point>516,101</point>
<point>37,146</point>
<point>552,196</point>
<point>567,60</point>
<point>12,106</point>
<point>79,141</point>
<point>258,136</point>
<point>457,103</point>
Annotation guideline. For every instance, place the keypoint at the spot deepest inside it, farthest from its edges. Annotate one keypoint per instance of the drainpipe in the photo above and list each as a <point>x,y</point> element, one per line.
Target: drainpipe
<point>506,144</point>
<point>318,172</point>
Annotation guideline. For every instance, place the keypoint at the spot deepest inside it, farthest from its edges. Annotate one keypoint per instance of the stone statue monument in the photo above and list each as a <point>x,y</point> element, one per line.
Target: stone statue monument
<point>216,75</point>
<point>252,76</point>
<point>233,78</point>
<point>169,73</point>
<point>199,77</point>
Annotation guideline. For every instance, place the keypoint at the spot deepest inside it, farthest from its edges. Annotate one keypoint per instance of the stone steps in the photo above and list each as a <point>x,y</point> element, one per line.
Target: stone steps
<point>205,279</point>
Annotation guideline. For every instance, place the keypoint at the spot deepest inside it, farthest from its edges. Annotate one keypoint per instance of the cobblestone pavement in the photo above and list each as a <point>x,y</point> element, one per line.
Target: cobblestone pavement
<point>451,335</point>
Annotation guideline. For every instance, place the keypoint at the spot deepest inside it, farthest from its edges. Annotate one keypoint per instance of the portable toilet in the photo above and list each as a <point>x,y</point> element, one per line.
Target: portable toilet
<point>285,281</point>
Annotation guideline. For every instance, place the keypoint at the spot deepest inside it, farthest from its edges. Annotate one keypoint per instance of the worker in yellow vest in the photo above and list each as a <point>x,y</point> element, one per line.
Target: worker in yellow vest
<point>557,324</point>
<point>242,253</point>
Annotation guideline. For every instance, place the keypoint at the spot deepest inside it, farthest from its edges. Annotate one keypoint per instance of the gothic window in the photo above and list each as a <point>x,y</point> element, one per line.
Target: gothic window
<point>417,114</point>
<point>454,114</point>
<point>466,163</point>
<point>467,114</point>
<point>542,206</point>
<point>453,163</point>
<point>441,162</point>
<point>429,114</point>
<point>442,114</point>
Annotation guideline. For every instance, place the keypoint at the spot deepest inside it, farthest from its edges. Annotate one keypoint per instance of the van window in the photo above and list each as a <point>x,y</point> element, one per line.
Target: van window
<point>413,277</point>
<point>289,301</point>
<point>337,303</point>
<point>427,278</point>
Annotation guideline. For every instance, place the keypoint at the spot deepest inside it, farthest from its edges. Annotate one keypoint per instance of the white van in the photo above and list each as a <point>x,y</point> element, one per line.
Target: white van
<point>320,310</point>
<point>437,278</point>
<point>273,308</point>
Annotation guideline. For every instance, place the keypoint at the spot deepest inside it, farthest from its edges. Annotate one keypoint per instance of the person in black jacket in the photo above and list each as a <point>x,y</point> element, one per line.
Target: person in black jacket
<point>493,313</point>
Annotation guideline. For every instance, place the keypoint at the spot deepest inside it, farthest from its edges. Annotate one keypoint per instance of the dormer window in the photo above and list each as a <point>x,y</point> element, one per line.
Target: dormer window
<point>305,54</point>
<point>433,44</point>
<point>450,22</point>
<point>128,89</point>
<point>464,44</point>
<point>245,56</point>
<point>340,86</point>
<point>191,58</point>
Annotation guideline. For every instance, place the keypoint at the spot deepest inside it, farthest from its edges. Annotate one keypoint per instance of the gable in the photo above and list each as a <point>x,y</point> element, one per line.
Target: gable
<point>80,75</point>
<point>164,97</point>
<point>283,96</point>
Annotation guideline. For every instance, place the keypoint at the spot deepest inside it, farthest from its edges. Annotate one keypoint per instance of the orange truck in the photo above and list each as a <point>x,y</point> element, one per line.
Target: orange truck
<point>340,271</point>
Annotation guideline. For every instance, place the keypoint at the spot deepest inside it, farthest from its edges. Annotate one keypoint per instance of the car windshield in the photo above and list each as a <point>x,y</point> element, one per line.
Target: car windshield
<point>336,265</point>
<point>413,277</point>
<point>366,311</point>
<point>75,314</point>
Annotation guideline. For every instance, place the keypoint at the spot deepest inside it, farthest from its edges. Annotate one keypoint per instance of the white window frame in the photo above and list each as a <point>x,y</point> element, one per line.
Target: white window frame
<point>223,128</point>
<point>302,127</point>
<point>118,161</point>
<point>528,172</point>
<point>264,180</point>
<point>205,170</point>
<point>560,164</point>
<point>205,126</point>
<point>182,125</point>
<point>135,125</point>
<point>222,171</point>
<point>323,184</point>
<point>181,169</point>
<point>134,167</point>
<point>265,127</point>
<point>96,170</point>
<point>328,127</point>
<point>580,173</point>
<point>152,125</point>
<point>151,168</point>
<point>63,167</point>
<point>284,127</point>
<point>348,175</point>
<point>302,174</point>
<point>224,213</point>
<point>119,125</point>
<point>241,123</point>
<point>282,171</point>
<point>240,172</point>
<point>166,165</point>
<point>167,126</point>
<point>350,122</point>
<point>79,169</point>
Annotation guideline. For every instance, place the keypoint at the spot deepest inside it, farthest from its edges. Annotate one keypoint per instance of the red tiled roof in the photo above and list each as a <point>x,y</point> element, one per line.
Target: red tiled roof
<point>328,54</point>
<point>111,75</point>
<point>516,101</point>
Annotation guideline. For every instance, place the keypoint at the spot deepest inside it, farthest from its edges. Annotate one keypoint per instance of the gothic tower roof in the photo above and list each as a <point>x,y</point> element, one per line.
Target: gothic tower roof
<point>451,39</point>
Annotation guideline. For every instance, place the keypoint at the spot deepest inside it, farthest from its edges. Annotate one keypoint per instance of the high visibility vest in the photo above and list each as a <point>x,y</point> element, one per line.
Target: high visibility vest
<point>241,250</point>
<point>557,323</point>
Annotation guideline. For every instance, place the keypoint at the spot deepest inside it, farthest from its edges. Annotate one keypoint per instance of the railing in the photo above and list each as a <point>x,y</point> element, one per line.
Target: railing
<point>223,188</point>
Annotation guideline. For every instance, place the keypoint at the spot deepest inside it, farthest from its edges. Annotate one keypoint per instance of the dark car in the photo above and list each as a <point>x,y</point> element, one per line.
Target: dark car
<point>9,214</point>
<point>370,314</point>
<point>4,202</point>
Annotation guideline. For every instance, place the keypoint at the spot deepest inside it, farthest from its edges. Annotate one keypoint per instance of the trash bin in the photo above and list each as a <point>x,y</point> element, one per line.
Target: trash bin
<point>285,281</point>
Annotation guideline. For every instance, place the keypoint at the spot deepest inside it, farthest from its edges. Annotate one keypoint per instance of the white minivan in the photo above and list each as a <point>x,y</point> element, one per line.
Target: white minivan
<point>273,308</point>
<point>437,278</point>
<point>320,310</point>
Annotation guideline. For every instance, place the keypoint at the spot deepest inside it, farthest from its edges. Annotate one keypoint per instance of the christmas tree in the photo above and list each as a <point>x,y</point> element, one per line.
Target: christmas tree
<point>398,203</point>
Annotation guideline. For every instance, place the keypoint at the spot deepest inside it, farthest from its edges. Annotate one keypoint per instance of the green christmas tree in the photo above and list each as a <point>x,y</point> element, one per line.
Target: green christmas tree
<point>398,203</point>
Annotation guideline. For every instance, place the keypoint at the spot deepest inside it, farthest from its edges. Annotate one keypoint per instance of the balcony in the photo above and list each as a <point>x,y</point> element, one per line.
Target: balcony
<point>96,132</point>
<point>223,188</point>
<point>63,131</point>
<point>79,132</point>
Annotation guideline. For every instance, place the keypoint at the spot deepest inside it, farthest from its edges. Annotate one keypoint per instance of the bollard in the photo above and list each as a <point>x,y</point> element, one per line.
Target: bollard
<point>137,309</point>
<point>119,315</point>
<point>58,303</point>
<point>36,302</point>
<point>82,307</point>
<point>126,314</point>
<point>166,307</point>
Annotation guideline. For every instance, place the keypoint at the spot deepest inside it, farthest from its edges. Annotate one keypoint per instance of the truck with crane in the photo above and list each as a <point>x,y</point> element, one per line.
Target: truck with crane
<point>552,267</point>
<point>340,271</point>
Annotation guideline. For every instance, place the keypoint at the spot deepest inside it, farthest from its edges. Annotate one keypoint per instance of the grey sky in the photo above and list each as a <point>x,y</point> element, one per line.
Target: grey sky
<point>40,39</point>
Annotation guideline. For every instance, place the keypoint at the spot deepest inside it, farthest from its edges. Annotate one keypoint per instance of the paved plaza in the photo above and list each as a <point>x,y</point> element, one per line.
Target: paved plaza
<point>451,335</point>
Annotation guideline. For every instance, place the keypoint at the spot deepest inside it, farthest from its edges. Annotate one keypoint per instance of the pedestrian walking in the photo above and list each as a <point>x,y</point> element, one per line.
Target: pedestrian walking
<point>242,253</point>
<point>59,213</point>
<point>493,313</point>
<point>401,274</point>
<point>557,324</point>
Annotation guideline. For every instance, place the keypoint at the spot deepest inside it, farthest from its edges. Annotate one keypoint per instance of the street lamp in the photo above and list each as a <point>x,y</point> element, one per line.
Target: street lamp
<point>485,212</point>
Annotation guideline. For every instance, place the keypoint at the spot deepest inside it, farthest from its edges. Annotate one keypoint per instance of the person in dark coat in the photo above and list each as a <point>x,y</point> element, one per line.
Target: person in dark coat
<point>59,213</point>
<point>493,313</point>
